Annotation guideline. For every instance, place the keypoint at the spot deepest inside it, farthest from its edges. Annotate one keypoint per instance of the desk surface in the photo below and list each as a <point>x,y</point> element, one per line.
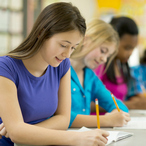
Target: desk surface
<point>138,139</point>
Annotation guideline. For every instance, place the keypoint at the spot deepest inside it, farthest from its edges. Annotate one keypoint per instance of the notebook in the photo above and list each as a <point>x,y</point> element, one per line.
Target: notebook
<point>113,135</point>
<point>135,123</point>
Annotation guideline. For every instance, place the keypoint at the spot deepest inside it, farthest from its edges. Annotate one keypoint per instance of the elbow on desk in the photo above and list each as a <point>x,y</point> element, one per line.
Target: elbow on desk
<point>14,137</point>
<point>17,133</point>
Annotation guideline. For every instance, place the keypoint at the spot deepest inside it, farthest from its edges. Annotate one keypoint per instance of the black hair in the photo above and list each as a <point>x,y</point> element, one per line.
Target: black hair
<point>143,58</point>
<point>123,25</point>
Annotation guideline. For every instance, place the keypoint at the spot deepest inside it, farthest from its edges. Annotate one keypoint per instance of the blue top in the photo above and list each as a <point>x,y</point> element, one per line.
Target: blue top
<point>139,74</point>
<point>38,96</point>
<point>93,88</point>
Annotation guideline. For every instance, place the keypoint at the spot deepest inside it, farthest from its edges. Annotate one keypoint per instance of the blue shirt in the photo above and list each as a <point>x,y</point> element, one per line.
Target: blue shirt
<point>93,88</point>
<point>37,96</point>
<point>139,78</point>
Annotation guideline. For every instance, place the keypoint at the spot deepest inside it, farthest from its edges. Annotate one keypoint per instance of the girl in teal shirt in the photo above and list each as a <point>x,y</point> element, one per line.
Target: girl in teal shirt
<point>100,42</point>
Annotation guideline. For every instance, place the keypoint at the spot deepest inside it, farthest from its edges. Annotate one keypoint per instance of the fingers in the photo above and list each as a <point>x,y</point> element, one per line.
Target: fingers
<point>100,143</point>
<point>127,117</point>
<point>3,131</point>
<point>126,114</point>
<point>7,135</point>
<point>103,139</point>
<point>103,136</point>
<point>1,126</point>
<point>105,133</point>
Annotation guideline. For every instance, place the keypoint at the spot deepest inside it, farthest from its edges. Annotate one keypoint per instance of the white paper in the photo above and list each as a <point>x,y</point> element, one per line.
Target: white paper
<point>141,112</point>
<point>135,123</point>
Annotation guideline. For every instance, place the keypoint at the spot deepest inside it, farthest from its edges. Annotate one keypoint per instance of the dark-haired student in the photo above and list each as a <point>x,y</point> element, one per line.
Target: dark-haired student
<point>117,78</point>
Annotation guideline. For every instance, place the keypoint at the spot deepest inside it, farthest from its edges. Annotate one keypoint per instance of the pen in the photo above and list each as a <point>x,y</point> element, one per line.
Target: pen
<point>143,90</point>
<point>115,102</point>
<point>97,113</point>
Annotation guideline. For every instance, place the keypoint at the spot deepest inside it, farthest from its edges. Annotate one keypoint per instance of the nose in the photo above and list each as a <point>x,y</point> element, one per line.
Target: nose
<point>103,58</point>
<point>67,53</point>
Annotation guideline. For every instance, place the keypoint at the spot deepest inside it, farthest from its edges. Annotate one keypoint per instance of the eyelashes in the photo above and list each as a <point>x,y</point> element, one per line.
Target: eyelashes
<point>66,47</point>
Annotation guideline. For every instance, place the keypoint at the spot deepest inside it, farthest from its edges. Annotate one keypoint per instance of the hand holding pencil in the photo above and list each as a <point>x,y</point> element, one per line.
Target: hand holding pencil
<point>125,117</point>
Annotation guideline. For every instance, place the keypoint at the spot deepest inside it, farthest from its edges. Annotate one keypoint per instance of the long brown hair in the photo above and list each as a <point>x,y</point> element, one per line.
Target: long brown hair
<point>55,18</point>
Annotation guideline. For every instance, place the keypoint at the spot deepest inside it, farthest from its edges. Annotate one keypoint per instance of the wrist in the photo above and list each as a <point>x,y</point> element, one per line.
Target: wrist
<point>105,121</point>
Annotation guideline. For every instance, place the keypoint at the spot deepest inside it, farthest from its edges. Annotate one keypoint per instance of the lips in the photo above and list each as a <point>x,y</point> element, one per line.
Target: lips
<point>96,62</point>
<point>59,60</point>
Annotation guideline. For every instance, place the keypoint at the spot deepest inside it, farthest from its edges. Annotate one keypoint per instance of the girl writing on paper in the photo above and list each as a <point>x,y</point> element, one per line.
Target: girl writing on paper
<point>118,78</point>
<point>100,42</point>
<point>35,83</point>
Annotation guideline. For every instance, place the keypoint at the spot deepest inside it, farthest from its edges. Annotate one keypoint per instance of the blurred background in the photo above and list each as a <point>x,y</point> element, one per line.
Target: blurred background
<point>17,18</point>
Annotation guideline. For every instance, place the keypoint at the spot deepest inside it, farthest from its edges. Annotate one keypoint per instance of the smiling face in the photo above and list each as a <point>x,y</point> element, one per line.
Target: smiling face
<point>127,45</point>
<point>59,47</point>
<point>99,55</point>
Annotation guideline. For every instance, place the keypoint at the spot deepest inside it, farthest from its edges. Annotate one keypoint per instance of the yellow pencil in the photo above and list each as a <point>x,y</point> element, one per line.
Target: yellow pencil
<point>97,113</point>
<point>115,102</point>
<point>143,90</point>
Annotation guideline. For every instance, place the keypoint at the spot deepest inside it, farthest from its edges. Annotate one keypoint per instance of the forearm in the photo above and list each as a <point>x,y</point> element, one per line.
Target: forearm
<point>84,120</point>
<point>130,104</point>
<point>54,122</point>
<point>93,109</point>
<point>34,135</point>
<point>89,121</point>
<point>136,102</point>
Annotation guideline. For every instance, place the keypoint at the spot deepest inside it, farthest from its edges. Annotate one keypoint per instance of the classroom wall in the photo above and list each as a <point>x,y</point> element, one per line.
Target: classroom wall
<point>106,9</point>
<point>86,7</point>
<point>12,15</point>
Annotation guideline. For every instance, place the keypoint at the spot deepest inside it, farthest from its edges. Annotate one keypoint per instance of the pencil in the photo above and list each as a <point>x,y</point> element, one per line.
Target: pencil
<point>143,90</point>
<point>97,113</point>
<point>115,102</point>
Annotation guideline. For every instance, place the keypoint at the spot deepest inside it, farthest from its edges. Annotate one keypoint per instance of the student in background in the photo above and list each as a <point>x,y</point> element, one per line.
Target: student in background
<point>35,83</point>
<point>100,42</point>
<point>139,73</point>
<point>117,77</point>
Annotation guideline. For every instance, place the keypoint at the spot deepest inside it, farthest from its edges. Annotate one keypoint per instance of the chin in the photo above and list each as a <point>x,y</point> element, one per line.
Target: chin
<point>94,67</point>
<point>55,65</point>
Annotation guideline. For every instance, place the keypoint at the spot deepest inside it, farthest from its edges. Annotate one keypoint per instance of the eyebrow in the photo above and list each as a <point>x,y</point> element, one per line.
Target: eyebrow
<point>68,42</point>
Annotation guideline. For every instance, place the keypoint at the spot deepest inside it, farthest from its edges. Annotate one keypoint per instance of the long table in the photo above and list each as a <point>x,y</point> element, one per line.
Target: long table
<point>138,139</point>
